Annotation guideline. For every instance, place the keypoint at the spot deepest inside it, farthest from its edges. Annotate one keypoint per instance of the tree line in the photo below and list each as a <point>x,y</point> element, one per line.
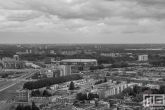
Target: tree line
<point>80,96</point>
<point>25,107</point>
<point>119,65</point>
<point>158,62</point>
<point>51,81</point>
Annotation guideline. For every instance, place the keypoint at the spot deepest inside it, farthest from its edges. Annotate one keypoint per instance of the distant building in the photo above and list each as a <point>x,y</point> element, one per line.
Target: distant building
<point>153,86</point>
<point>143,57</point>
<point>36,50</point>
<point>22,96</point>
<point>112,90</point>
<point>9,63</point>
<point>108,54</point>
<point>52,52</point>
<point>30,51</point>
<point>69,52</point>
<point>16,57</point>
<point>27,51</point>
<point>66,70</point>
<point>89,52</point>
<point>49,73</point>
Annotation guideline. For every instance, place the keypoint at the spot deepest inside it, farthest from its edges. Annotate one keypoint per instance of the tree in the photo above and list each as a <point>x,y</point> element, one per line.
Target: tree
<point>145,88</point>
<point>27,107</point>
<point>105,79</point>
<point>46,93</point>
<point>90,96</point>
<point>20,107</point>
<point>128,90</point>
<point>71,87</point>
<point>12,107</point>
<point>79,96</point>
<point>155,91</point>
<point>139,97</point>
<point>137,89</point>
<point>162,89</point>
<point>34,107</point>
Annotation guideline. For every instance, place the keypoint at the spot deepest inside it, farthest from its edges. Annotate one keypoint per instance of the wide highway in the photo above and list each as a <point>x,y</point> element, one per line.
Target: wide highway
<point>17,80</point>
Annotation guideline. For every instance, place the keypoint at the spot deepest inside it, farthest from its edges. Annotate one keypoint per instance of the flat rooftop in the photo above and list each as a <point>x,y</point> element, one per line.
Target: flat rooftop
<point>79,60</point>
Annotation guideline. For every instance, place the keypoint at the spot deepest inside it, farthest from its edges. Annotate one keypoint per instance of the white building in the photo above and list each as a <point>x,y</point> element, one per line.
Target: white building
<point>49,73</point>
<point>66,70</point>
<point>108,54</point>
<point>52,52</point>
<point>143,57</point>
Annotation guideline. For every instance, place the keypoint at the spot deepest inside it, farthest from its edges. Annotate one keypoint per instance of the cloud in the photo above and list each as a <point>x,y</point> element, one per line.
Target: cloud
<point>22,15</point>
<point>83,16</point>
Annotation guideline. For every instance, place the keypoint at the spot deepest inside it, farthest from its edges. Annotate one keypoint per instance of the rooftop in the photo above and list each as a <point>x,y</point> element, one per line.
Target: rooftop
<point>79,60</point>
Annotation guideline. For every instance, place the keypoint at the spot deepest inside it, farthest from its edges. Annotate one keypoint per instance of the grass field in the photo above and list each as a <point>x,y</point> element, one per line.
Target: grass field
<point>10,92</point>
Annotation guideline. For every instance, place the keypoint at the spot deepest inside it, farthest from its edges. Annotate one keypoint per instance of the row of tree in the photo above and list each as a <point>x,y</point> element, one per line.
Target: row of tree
<point>27,107</point>
<point>45,93</point>
<point>89,96</point>
<point>119,65</point>
<point>4,75</point>
<point>158,62</point>
<point>96,67</point>
<point>51,81</point>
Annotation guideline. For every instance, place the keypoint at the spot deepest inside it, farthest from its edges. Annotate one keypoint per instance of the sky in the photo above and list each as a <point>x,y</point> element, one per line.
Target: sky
<point>82,21</point>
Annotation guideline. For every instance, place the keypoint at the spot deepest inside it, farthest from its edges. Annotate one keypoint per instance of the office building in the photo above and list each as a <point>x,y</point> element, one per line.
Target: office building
<point>143,57</point>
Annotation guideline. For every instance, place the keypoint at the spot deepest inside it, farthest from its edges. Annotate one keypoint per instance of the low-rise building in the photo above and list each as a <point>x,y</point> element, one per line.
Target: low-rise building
<point>22,96</point>
<point>152,86</point>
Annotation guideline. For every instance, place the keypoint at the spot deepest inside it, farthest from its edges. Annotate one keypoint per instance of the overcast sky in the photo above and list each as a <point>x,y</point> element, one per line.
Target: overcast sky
<point>82,21</point>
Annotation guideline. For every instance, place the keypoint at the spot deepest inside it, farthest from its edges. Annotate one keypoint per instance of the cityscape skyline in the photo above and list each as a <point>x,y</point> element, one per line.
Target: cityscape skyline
<point>82,21</point>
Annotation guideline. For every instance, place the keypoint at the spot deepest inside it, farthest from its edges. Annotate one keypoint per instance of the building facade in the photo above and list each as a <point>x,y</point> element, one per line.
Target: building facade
<point>22,96</point>
<point>143,57</point>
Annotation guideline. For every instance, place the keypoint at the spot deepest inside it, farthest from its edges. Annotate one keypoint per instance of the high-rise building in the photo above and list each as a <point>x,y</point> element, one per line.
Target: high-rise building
<point>143,57</point>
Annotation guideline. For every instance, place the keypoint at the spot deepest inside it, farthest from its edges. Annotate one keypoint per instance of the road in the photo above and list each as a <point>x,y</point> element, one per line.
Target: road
<point>19,79</point>
<point>14,82</point>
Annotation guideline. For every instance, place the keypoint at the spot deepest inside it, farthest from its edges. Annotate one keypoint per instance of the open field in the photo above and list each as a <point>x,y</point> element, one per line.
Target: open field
<point>10,92</point>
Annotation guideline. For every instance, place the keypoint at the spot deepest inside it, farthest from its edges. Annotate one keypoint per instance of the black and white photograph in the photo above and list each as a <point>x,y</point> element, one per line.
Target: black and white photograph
<point>82,55</point>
